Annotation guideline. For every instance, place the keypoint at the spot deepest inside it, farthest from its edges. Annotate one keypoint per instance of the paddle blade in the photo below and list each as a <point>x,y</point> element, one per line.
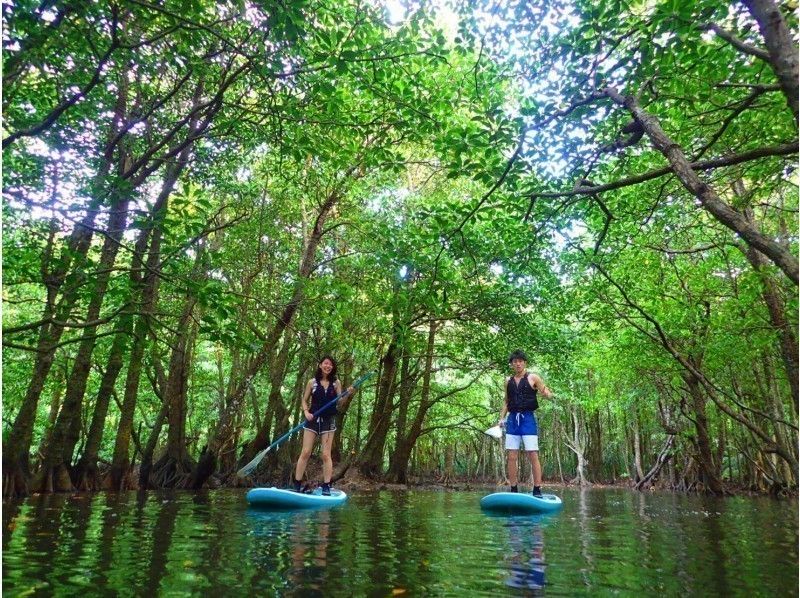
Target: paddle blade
<point>250,467</point>
<point>494,432</point>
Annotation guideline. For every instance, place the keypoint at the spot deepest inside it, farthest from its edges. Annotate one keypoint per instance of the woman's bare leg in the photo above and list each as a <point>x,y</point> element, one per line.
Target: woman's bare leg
<point>305,454</point>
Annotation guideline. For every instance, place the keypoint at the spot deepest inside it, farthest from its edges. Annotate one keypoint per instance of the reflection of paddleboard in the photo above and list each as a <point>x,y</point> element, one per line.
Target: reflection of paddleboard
<point>279,498</point>
<point>521,502</point>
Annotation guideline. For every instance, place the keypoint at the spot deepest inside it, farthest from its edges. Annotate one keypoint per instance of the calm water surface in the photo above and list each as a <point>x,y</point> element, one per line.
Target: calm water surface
<point>416,543</point>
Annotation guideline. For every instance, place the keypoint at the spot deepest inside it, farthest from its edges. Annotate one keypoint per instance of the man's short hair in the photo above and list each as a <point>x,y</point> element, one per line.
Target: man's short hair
<point>518,355</point>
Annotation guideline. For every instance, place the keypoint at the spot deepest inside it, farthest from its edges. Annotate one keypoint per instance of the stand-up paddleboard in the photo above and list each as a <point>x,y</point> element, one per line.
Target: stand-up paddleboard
<point>521,502</point>
<point>280,498</point>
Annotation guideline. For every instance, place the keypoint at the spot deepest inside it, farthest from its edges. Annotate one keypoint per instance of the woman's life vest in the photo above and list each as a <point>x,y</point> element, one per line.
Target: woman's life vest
<point>321,396</point>
<point>522,396</point>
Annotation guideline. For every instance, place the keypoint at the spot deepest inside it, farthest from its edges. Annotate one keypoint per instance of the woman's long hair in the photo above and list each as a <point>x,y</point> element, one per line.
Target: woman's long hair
<point>318,375</point>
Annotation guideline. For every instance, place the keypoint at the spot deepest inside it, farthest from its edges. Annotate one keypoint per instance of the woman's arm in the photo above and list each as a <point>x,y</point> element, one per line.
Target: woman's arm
<point>304,402</point>
<point>346,398</point>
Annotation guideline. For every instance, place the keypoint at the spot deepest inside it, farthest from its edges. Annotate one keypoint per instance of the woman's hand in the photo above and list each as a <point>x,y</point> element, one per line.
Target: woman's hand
<point>346,396</point>
<point>308,414</point>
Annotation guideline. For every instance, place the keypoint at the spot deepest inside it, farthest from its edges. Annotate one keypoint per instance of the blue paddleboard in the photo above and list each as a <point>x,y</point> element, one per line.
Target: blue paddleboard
<point>280,498</point>
<point>521,502</point>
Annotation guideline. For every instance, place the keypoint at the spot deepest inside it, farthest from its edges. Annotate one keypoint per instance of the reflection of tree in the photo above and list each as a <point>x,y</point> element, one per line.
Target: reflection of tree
<point>11,511</point>
<point>162,535</point>
<point>525,559</point>
<point>208,514</point>
<point>108,533</point>
<point>45,521</point>
<point>715,537</point>
<point>583,524</point>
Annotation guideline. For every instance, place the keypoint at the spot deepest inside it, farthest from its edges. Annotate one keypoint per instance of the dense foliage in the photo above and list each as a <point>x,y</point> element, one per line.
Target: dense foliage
<point>204,198</point>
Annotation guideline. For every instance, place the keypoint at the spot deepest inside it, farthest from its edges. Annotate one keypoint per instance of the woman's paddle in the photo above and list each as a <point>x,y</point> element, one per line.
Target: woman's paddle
<point>248,469</point>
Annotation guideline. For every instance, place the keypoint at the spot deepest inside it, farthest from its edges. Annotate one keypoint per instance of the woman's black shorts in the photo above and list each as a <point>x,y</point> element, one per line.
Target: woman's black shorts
<point>322,424</point>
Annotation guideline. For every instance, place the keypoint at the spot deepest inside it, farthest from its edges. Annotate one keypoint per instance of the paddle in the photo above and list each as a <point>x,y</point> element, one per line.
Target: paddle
<point>248,469</point>
<point>494,432</point>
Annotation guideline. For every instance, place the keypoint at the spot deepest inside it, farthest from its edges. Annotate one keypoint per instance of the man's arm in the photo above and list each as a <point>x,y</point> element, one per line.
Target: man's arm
<point>504,410</point>
<point>539,385</point>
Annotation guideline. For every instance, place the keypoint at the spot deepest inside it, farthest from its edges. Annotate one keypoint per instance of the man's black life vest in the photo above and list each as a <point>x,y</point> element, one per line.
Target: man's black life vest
<point>521,397</point>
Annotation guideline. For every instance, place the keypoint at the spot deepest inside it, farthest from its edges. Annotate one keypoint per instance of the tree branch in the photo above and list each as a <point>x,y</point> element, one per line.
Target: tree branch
<point>705,193</point>
<point>65,105</point>
<point>786,149</point>
<point>736,42</point>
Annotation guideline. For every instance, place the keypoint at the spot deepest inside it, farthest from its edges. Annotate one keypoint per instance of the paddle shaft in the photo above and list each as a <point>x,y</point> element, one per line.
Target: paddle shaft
<point>252,465</point>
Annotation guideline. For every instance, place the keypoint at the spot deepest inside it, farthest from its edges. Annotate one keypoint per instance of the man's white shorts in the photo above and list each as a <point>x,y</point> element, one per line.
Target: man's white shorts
<point>531,443</point>
<point>522,426</point>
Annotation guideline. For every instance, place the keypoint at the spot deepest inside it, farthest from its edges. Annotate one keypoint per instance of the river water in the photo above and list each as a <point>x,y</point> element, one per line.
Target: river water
<point>393,543</point>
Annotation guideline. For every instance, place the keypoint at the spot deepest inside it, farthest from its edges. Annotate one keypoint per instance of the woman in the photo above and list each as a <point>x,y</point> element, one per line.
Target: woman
<point>321,390</point>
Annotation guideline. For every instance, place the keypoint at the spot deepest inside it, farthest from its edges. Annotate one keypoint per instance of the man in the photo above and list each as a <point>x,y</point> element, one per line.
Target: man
<point>521,401</point>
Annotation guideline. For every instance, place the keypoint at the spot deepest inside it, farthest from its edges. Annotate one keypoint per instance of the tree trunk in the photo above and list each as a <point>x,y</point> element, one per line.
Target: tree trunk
<point>557,443</point>
<point>776,307</point>
<point>120,463</point>
<point>662,459</point>
<point>58,455</point>
<point>709,472</point>
<point>55,407</point>
<point>176,465</point>
<point>275,410</point>
<point>637,449</point>
<point>595,447</point>
<point>578,446</point>
<point>398,462</point>
<point>360,410</point>
<point>780,46</point>
<point>695,372</point>
<point>346,376</point>
<point>370,461</point>
<point>144,288</point>
<point>449,460</point>
<point>16,467</point>
<point>147,454</point>
<point>776,410</point>
<point>86,475</point>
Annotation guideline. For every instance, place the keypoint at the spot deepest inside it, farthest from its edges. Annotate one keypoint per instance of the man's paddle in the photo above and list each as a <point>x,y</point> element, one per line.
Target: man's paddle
<point>248,469</point>
<point>494,432</point>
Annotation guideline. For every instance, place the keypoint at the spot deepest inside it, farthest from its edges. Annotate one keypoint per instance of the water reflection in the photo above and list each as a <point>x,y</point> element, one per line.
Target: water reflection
<point>397,543</point>
<point>309,562</point>
<point>525,559</point>
<point>291,547</point>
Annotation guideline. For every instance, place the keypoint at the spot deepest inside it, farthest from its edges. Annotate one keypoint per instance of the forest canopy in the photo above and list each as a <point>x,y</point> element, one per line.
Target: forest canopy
<point>202,199</point>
